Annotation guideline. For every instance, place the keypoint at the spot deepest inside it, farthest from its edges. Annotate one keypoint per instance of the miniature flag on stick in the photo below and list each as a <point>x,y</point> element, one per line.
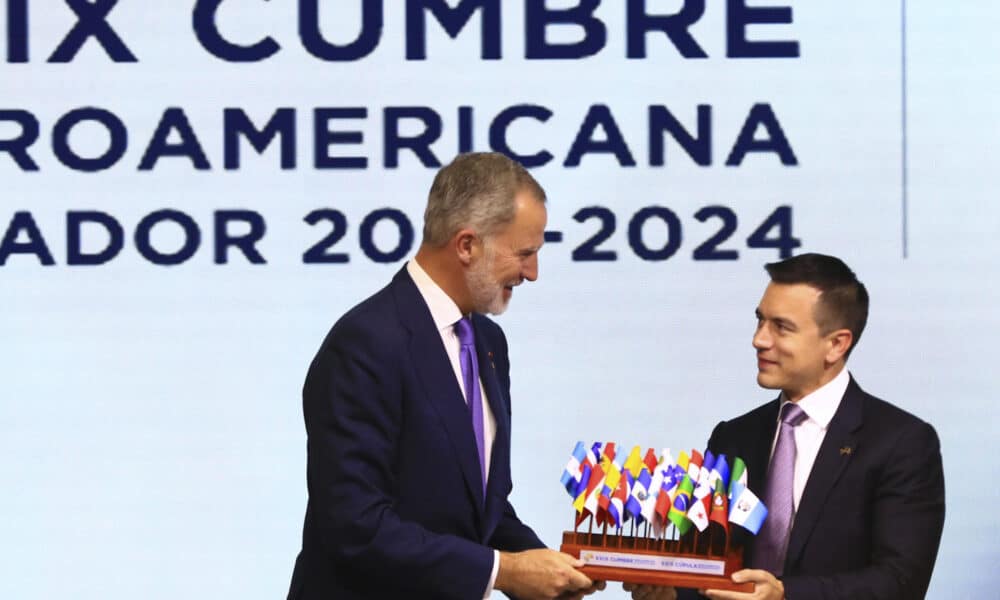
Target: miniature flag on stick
<point>581,490</point>
<point>698,514</point>
<point>616,509</point>
<point>650,461</point>
<point>681,505</point>
<point>747,510</point>
<point>683,460</point>
<point>694,466</point>
<point>652,494</point>
<point>612,473</point>
<point>705,475</point>
<point>571,474</point>
<point>720,472</point>
<point>586,503</point>
<point>633,464</point>
<point>738,478</point>
<point>639,494</point>
<point>720,507</point>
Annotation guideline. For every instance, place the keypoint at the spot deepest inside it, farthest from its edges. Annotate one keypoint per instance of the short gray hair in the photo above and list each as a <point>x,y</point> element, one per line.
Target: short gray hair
<point>476,191</point>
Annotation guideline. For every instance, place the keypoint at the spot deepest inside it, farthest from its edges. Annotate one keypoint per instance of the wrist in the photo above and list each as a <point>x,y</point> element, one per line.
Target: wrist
<point>505,571</point>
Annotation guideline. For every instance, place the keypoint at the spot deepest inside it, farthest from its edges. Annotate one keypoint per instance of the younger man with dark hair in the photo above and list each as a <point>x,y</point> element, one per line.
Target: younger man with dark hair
<point>853,484</point>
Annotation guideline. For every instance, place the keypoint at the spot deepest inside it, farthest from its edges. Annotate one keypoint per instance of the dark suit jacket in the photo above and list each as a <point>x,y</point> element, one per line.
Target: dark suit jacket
<point>396,504</point>
<point>870,518</point>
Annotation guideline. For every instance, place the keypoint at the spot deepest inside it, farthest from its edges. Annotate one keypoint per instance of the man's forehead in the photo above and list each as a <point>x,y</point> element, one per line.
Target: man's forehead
<point>790,301</point>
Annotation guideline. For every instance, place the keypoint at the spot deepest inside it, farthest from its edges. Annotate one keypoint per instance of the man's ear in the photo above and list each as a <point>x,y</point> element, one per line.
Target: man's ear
<point>840,343</point>
<point>464,245</point>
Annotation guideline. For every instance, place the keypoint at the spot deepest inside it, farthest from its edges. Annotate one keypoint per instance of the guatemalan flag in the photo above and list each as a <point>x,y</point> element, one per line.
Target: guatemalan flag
<point>747,510</point>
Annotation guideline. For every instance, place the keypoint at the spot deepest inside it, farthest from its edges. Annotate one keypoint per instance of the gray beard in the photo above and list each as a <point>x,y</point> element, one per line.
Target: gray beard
<point>487,294</point>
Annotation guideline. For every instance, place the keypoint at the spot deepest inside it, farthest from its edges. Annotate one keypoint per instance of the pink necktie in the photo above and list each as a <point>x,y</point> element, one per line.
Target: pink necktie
<point>772,540</point>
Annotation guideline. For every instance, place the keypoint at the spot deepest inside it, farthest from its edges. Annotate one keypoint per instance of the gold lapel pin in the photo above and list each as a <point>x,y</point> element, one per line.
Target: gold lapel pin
<point>846,451</point>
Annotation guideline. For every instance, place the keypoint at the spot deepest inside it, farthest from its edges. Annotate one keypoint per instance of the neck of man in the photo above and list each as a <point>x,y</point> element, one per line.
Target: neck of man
<point>829,373</point>
<point>446,271</point>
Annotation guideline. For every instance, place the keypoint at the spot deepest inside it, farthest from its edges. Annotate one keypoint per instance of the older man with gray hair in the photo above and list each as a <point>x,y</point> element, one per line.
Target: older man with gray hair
<point>407,411</point>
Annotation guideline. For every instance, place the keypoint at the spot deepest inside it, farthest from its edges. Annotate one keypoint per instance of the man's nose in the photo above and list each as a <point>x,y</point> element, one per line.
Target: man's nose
<point>530,269</point>
<point>761,338</point>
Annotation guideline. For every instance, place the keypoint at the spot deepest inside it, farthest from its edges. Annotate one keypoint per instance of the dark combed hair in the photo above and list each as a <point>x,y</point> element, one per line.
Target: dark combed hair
<point>843,301</point>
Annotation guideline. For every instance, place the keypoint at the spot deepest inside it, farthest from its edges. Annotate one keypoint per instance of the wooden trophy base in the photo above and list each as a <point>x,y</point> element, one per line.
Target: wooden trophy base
<point>642,560</point>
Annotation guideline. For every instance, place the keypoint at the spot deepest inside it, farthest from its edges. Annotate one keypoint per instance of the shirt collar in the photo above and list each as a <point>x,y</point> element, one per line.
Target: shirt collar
<point>443,309</point>
<point>821,404</point>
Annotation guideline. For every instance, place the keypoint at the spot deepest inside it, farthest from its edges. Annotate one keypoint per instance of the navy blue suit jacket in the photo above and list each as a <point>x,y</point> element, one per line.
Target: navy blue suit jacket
<point>870,518</point>
<point>396,503</point>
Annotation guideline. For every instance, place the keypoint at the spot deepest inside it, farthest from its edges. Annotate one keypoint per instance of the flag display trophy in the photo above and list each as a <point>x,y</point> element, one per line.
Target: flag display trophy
<point>680,515</point>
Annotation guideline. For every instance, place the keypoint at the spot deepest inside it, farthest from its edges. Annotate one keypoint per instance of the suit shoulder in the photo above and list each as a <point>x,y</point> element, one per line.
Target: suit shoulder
<point>373,320</point>
<point>888,416</point>
<point>753,417</point>
<point>747,424</point>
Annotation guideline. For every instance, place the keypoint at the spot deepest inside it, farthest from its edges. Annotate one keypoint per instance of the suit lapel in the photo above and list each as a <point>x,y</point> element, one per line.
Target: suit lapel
<point>829,466</point>
<point>758,460</point>
<point>500,453</point>
<point>434,370</point>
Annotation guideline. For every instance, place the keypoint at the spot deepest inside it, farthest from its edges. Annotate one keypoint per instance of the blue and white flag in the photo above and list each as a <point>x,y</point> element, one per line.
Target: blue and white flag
<point>747,510</point>
<point>720,472</point>
<point>571,474</point>
<point>638,495</point>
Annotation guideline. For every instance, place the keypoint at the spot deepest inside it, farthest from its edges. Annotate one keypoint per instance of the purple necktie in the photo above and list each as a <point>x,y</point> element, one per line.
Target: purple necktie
<point>772,541</point>
<point>470,375</point>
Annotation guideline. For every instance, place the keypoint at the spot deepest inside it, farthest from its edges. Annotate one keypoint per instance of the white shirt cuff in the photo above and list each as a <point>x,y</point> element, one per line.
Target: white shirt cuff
<point>493,575</point>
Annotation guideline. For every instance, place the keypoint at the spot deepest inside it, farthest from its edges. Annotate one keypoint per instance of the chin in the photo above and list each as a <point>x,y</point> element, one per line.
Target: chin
<point>766,382</point>
<point>498,308</point>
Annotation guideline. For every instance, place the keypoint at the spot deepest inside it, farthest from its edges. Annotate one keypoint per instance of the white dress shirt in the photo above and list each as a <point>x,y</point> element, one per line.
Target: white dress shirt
<point>445,314</point>
<point>819,407</point>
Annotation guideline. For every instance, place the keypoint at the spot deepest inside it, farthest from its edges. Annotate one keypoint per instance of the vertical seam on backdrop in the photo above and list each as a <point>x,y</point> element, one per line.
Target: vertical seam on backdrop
<point>904,158</point>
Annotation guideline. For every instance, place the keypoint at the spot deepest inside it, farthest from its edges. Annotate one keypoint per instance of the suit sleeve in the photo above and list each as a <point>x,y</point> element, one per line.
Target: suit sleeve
<point>352,403</point>
<point>906,516</point>
<point>512,535</point>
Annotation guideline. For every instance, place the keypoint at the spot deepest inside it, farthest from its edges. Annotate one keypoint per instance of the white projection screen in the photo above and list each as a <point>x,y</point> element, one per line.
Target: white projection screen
<point>193,192</point>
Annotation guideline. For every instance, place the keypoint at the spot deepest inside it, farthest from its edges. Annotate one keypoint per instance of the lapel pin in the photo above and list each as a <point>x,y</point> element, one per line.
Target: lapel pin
<point>846,451</point>
<point>489,354</point>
